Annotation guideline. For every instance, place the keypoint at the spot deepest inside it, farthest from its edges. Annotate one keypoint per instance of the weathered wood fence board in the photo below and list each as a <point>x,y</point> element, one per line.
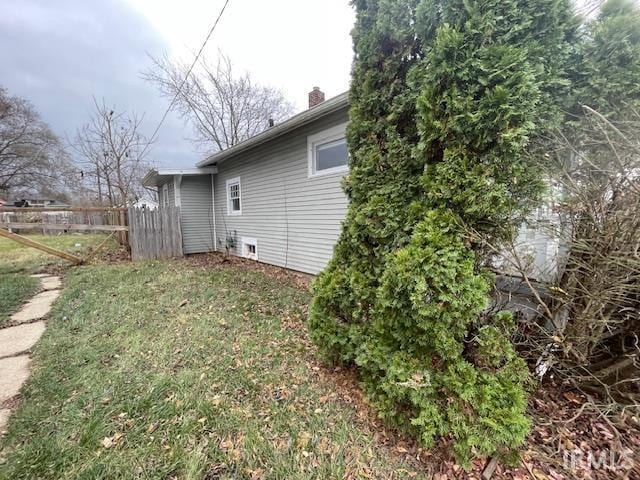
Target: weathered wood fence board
<point>155,233</point>
<point>62,209</point>
<point>40,246</point>
<point>63,226</point>
<point>54,220</point>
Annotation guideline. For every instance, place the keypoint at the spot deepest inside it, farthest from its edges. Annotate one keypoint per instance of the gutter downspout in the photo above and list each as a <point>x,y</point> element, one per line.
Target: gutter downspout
<point>177,198</point>
<point>213,206</point>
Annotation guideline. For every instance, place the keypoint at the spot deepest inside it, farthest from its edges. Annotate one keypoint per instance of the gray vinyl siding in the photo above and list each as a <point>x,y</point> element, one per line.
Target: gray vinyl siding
<point>295,219</point>
<point>196,214</point>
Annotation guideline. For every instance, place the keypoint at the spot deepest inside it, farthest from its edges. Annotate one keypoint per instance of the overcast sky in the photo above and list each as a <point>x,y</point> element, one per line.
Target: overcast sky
<point>60,53</point>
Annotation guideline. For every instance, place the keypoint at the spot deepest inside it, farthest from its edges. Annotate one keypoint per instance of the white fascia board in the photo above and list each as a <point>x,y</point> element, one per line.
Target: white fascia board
<point>153,177</point>
<point>325,108</point>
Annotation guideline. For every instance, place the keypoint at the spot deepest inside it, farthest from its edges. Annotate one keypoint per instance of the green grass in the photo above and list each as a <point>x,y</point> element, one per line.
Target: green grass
<point>164,370</point>
<point>15,289</point>
<point>15,257</point>
<point>18,261</point>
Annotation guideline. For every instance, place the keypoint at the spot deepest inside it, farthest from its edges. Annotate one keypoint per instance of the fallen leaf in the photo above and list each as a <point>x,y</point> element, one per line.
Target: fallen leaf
<point>572,397</point>
<point>303,440</point>
<point>107,442</point>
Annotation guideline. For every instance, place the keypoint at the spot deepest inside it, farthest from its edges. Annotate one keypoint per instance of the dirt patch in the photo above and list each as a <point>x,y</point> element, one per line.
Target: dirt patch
<point>10,403</point>
<point>567,441</point>
<point>564,425</point>
<point>121,255</point>
<point>570,429</point>
<point>108,256</point>
<point>299,280</point>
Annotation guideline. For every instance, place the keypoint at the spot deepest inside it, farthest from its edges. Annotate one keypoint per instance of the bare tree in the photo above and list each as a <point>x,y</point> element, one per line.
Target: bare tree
<point>588,333</point>
<point>113,152</point>
<point>223,108</point>
<point>32,158</point>
<point>598,300</point>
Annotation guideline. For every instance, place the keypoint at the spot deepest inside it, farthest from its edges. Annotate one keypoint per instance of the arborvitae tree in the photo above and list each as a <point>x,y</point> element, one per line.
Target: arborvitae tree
<point>384,175</point>
<point>606,70</point>
<point>445,97</point>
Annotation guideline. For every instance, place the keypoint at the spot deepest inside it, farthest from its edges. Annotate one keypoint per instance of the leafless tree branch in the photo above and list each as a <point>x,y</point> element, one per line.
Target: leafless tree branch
<point>112,153</point>
<point>223,108</point>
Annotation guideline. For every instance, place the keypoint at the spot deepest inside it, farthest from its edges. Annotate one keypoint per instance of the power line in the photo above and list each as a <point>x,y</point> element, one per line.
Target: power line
<point>184,80</point>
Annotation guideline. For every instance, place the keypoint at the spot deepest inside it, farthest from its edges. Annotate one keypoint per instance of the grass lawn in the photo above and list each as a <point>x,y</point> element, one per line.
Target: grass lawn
<point>166,370</point>
<point>15,257</point>
<point>18,262</point>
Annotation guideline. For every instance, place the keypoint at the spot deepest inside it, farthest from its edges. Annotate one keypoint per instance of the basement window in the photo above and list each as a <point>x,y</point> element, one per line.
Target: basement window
<point>234,206</point>
<point>249,248</point>
<point>328,151</point>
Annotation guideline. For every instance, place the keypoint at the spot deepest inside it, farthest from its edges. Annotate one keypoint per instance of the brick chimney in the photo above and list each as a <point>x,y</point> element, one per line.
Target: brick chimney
<point>316,97</point>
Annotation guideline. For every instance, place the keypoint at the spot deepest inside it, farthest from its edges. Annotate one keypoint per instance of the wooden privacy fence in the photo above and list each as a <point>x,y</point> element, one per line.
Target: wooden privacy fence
<point>14,220</point>
<point>155,233</point>
<point>66,219</point>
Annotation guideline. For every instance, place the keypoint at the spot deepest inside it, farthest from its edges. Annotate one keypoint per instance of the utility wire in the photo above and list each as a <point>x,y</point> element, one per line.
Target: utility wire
<point>184,80</point>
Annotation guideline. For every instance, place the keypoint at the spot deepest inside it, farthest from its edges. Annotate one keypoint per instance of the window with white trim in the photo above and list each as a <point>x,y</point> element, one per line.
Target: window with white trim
<point>234,203</point>
<point>328,151</point>
<point>165,195</point>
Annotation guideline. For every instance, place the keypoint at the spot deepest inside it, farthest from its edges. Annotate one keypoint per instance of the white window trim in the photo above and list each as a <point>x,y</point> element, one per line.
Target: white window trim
<point>165,195</point>
<point>330,135</point>
<point>244,241</point>
<point>233,181</point>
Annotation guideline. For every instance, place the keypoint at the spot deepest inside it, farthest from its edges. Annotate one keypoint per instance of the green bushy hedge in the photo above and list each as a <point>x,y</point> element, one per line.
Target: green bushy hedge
<point>445,98</point>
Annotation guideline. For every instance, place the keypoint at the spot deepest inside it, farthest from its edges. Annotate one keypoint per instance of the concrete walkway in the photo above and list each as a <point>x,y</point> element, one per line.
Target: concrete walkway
<point>16,342</point>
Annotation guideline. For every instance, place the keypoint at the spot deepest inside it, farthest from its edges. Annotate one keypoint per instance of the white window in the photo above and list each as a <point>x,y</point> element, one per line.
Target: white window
<point>249,248</point>
<point>165,195</point>
<point>234,205</point>
<point>328,151</point>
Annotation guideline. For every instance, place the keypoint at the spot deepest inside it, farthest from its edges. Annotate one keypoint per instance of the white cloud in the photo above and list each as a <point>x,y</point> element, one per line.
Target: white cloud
<point>60,54</point>
<point>290,44</point>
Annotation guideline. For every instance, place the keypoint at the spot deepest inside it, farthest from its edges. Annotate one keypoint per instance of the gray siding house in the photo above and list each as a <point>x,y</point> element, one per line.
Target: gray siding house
<point>275,198</point>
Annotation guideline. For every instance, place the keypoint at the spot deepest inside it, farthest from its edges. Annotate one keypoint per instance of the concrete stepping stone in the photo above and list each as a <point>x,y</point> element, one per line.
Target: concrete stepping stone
<point>18,339</point>
<point>14,368</point>
<point>13,373</point>
<point>50,283</point>
<point>36,308</point>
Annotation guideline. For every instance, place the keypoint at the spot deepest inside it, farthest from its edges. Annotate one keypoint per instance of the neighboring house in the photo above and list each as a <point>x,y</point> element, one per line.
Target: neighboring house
<point>145,203</point>
<point>277,197</point>
<point>39,203</point>
<point>3,202</point>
